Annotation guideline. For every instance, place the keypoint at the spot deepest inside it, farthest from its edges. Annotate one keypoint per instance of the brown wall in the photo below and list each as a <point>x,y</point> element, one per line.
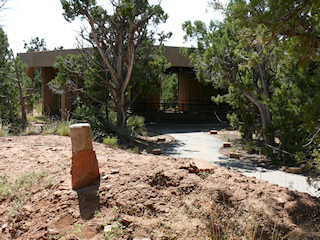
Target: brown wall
<point>191,94</point>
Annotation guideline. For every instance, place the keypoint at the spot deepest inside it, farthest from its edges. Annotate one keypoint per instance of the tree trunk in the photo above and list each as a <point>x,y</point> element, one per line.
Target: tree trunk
<point>264,114</point>
<point>121,111</point>
<point>22,100</point>
<point>266,123</point>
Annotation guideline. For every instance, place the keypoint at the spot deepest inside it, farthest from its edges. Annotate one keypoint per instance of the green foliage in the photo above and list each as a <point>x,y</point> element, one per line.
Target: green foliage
<point>316,156</point>
<point>35,45</point>
<point>111,141</point>
<point>287,18</point>
<point>4,129</point>
<point>136,123</point>
<point>57,127</point>
<point>271,86</point>
<point>9,103</point>
<point>234,57</point>
<point>14,85</point>
<point>123,63</point>
<point>169,89</point>
<point>116,230</point>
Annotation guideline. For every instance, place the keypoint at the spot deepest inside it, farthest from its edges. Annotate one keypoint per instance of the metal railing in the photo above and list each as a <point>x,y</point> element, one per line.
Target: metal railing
<point>180,110</point>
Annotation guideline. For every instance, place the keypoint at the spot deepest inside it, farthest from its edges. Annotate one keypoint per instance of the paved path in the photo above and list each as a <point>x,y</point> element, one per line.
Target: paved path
<point>193,142</point>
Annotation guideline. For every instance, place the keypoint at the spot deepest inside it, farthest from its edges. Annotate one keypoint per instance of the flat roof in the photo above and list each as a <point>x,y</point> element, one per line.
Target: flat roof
<point>48,58</point>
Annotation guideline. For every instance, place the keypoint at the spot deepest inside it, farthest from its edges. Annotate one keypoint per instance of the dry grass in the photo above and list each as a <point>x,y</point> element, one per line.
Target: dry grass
<point>222,219</point>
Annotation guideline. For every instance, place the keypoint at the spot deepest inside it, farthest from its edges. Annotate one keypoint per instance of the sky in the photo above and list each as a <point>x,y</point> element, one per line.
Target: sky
<point>23,20</point>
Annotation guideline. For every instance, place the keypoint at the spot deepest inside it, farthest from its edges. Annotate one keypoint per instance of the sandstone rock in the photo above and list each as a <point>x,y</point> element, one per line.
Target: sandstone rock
<point>120,204</point>
<point>213,132</point>
<point>296,170</point>
<point>84,169</point>
<point>115,171</point>
<point>81,138</point>
<point>230,128</point>
<point>200,165</point>
<point>126,220</point>
<point>235,155</point>
<point>157,151</point>
<point>105,177</point>
<point>226,144</point>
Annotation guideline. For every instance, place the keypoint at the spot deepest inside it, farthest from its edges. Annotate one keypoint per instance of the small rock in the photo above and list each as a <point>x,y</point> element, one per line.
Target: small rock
<point>295,170</point>
<point>144,152</point>
<point>213,132</point>
<point>4,225</point>
<point>235,155</point>
<point>230,128</point>
<point>52,231</point>
<point>57,193</point>
<point>157,151</point>
<point>108,187</point>
<point>200,165</point>
<point>114,171</point>
<point>64,187</point>
<point>119,204</point>
<point>127,220</point>
<point>105,177</point>
<point>108,228</point>
<point>283,168</point>
<point>226,144</point>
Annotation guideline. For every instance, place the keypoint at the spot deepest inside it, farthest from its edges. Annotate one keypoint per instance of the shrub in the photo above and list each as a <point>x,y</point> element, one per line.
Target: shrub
<point>111,141</point>
<point>4,129</point>
<point>30,130</point>
<point>57,127</point>
<point>137,124</point>
<point>63,128</point>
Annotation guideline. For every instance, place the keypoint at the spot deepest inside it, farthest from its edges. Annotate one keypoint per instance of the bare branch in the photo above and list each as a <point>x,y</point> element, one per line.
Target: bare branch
<point>313,137</point>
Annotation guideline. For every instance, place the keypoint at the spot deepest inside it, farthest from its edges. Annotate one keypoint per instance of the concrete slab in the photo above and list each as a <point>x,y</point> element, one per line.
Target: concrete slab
<point>195,142</point>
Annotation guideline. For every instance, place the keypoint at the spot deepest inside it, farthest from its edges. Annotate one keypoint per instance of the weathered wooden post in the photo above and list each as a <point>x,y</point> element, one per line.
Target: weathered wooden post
<point>84,169</point>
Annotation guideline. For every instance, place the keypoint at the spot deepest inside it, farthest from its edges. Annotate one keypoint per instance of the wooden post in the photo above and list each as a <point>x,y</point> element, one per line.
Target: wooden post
<point>84,169</point>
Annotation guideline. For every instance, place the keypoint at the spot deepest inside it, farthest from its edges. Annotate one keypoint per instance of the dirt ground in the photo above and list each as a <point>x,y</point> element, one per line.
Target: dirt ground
<point>140,196</point>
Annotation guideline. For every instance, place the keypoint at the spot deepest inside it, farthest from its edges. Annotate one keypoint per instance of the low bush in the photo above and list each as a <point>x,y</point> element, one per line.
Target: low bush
<point>4,129</point>
<point>111,141</point>
<point>57,127</point>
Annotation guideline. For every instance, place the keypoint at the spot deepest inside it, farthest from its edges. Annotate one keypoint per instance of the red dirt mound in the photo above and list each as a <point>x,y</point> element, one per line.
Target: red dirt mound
<point>140,197</point>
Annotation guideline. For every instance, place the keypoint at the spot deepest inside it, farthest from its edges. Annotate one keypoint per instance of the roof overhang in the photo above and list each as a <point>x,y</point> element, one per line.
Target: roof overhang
<point>48,58</point>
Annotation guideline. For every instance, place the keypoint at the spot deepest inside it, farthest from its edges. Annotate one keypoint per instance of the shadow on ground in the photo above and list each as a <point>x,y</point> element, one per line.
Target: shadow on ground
<point>89,200</point>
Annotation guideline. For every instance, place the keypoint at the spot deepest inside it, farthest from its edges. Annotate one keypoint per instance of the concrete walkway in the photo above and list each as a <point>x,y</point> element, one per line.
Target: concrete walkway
<point>196,142</point>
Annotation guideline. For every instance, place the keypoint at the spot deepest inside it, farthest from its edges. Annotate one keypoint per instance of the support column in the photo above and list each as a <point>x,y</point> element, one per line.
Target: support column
<point>84,169</point>
<point>183,91</point>
<point>50,101</point>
